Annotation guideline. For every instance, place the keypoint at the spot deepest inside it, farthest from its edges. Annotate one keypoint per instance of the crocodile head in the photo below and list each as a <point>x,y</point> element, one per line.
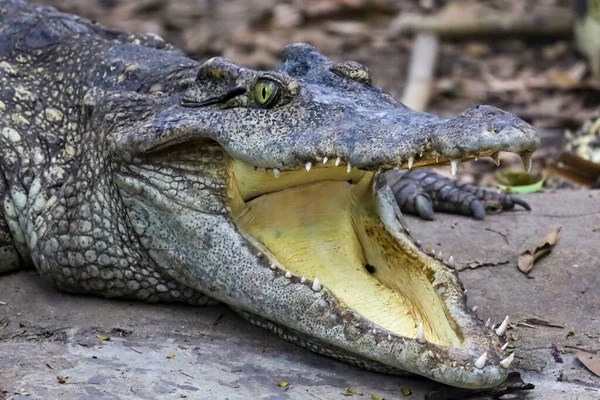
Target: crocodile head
<point>265,190</point>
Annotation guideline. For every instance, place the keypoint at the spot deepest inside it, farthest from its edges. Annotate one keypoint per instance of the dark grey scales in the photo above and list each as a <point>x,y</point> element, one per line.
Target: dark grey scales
<point>130,170</point>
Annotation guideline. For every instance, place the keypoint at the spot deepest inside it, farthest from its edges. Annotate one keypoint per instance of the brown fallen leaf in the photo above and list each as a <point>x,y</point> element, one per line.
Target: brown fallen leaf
<point>528,257</point>
<point>62,378</point>
<point>590,360</point>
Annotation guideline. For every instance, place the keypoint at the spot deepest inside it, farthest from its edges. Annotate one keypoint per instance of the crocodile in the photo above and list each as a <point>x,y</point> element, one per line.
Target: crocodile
<point>128,170</point>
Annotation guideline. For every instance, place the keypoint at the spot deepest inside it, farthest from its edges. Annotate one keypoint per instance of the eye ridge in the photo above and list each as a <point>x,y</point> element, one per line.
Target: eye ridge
<point>266,92</point>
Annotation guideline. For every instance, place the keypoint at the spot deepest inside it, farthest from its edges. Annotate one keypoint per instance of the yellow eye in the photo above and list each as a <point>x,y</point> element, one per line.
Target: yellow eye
<point>265,92</point>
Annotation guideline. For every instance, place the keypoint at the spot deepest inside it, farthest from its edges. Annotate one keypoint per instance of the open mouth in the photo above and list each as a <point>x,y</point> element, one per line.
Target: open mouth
<point>325,226</point>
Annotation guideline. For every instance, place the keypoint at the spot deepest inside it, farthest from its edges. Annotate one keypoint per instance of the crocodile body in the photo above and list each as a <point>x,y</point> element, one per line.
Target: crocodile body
<point>129,170</point>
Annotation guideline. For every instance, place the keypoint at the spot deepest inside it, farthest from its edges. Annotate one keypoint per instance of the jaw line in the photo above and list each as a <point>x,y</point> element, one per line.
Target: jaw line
<point>391,351</point>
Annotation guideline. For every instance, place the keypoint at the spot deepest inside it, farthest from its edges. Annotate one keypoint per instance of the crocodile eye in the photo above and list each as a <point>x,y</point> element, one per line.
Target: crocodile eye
<point>266,92</point>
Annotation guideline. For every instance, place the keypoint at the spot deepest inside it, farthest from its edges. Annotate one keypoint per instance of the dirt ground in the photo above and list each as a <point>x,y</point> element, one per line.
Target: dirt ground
<point>45,334</point>
<point>171,351</point>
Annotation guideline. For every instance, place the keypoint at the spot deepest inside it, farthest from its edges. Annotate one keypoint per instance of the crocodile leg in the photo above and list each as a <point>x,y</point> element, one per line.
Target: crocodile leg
<point>422,192</point>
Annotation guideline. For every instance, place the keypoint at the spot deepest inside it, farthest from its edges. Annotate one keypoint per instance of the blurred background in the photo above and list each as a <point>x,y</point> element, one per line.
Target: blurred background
<point>538,59</point>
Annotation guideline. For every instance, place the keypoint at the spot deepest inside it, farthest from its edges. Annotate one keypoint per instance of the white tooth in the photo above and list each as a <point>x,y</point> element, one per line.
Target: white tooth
<point>325,159</point>
<point>504,346</point>
<point>526,158</point>
<point>466,290</point>
<point>411,160</point>
<point>437,158</point>
<point>496,158</point>
<point>487,323</point>
<point>480,363</point>
<point>374,331</point>
<point>476,158</point>
<point>502,328</point>
<point>273,267</point>
<point>308,166</point>
<point>507,361</point>
<point>338,161</point>
<point>288,274</point>
<point>451,261</point>
<point>390,338</point>
<point>420,334</point>
<point>439,256</point>
<point>303,280</point>
<point>276,172</point>
<point>475,308</point>
<point>454,167</point>
<point>420,155</point>
<point>349,167</point>
<point>316,286</point>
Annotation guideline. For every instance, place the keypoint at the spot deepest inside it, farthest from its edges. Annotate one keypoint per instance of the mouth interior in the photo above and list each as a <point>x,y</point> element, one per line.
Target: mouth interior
<point>324,224</point>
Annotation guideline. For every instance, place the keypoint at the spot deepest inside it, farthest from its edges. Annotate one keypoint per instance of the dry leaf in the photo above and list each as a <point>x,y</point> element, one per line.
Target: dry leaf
<point>376,398</point>
<point>590,360</point>
<point>171,356</point>
<point>102,337</point>
<point>282,384</point>
<point>405,391</point>
<point>528,257</point>
<point>62,378</point>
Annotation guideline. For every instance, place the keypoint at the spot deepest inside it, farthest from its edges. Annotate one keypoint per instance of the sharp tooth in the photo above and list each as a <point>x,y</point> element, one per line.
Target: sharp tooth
<point>475,308</point>
<point>325,159</point>
<point>496,158</point>
<point>288,274</point>
<point>454,167</point>
<point>437,158</point>
<point>504,346</point>
<point>502,328</point>
<point>476,158</point>
<point>276,172</point>
<point>316,286</point>
<point>466,290</point>
<point>507,361</point>
<point>487,323</point>
<point>348,167</point>
<point>273,267</point>
<point>308,166</point>
<point>480,363</point>
<point>451,261</point>
<point>390,338</point>
<point>338,161</point>
<point>439,256</point>
<point>411,160</point>
<point>526,158</point>
<point>303,280</point>
<point>420,155</point>
<point>420,334</point>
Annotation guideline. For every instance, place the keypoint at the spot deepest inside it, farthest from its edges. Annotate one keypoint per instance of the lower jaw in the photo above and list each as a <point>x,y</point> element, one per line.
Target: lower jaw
<point>330,230</point>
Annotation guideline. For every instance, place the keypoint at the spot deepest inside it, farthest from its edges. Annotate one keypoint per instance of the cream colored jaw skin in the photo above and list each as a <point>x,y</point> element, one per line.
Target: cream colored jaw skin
<point>318,225</point>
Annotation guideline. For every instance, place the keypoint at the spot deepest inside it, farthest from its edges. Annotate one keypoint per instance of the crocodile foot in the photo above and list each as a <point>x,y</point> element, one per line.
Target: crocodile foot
<point>422,192</point>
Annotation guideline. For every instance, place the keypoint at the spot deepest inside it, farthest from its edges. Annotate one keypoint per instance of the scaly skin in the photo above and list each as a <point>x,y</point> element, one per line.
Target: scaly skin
<point>118,159</point>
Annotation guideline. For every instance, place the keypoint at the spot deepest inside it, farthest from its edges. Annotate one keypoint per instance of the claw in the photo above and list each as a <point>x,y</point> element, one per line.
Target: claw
<point>526,158</point>
<point>521,203</point>
<point>420,334</point>
<point>480,363</point>
<point>507,361</point>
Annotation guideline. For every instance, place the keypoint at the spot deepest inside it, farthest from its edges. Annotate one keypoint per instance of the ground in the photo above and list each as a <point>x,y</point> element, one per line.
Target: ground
<point>159,351</point>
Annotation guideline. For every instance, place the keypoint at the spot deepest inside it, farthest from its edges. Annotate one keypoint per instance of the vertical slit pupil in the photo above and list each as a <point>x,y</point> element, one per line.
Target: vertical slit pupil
<point>264,92</point>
